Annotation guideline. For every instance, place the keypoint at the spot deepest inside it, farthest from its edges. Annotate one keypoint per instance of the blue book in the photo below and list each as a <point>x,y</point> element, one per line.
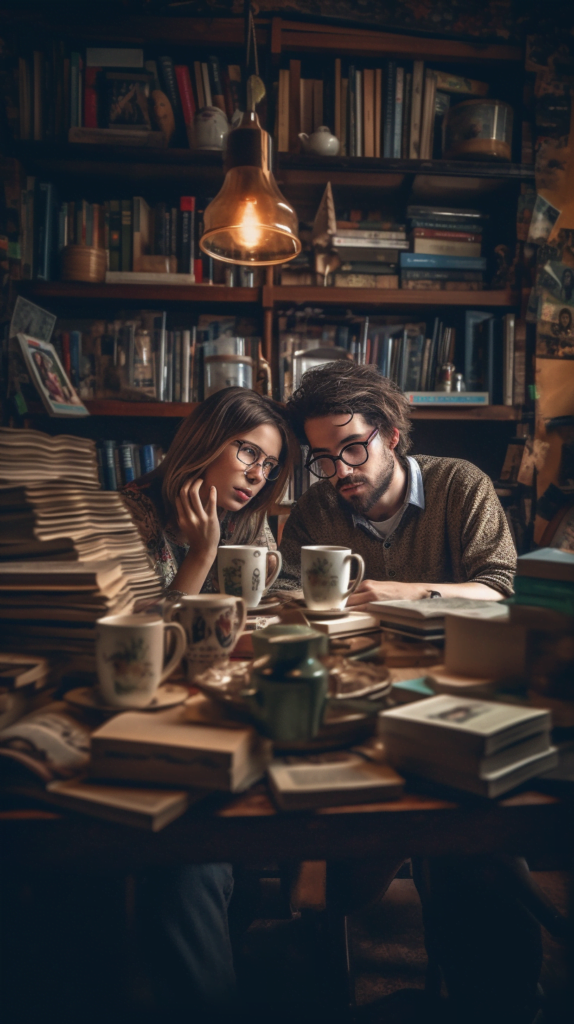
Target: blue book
<point>389,121</point>
<point>109,465</point>
<point>127,462</point>
<point>75,353</point>
<point>412,260</point>
<point>147,458</point>
<point>45,226</point>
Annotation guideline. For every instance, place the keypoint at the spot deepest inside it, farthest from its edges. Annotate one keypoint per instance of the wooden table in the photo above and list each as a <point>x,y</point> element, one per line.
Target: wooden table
<point>248,830</point>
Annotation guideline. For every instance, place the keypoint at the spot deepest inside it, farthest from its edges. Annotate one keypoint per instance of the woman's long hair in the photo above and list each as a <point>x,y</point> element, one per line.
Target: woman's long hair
<point>205,433</point>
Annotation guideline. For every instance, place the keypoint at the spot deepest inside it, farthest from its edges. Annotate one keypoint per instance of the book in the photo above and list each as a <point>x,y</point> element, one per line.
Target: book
<point>414,260</point>
<point>149,809</point>
<point>141,231</point>
<point>446,247</point>
<point>331,780</point>
<point>459,85</point>
<point>186,99</point>
<point>407,115</point>
<point>21,670</point>
<point>294,105</point>
<point>488,785</point>
<point>389,108</point>
<point>442,275</point>
<point>416,110</point>
<point>450,213</point>
<point>114,57</point>
<point>337,122</point>
<point>359,140</point>
<point>450,398</point>
<point>368,240</point>
<point>199,84</point>
<point>126,235</point>
<point>398,112</point>
<point>452,236</point>
<point>464,723</point>
<point>369,112</point>
<point>356,280</point>
<point>187,208</point>
<point>50,576</point>
<point>468,761</point>
<point>147,277</point>
<point>206,84</point>
<point>48,376</point>
<point>427,116</point>
<point>367,230</point>
<point>353,622</point>
<point>378,110</point>
<point>508,325</point>
<point>169,748</point>
<point>283,112</point>
<point>317,104</point>
<point>547,564</point>
<point>217,95</point>
<point>425,616</point>
<point>115,235</point>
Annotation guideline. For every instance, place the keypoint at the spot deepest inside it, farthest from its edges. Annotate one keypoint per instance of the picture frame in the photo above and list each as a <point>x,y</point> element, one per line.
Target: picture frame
<point>49,378</point>
<point>127,100</point>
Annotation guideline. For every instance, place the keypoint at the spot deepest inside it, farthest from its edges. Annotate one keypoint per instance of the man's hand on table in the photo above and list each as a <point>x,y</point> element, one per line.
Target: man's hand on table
<point>386,590</point>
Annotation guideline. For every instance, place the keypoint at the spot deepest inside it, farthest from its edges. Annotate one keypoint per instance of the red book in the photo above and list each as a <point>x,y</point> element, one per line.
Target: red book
<point>185,93</point>
<point>198,271</point>
<point>451,236</point>
<point>66,360</point>
<point>90,98</point>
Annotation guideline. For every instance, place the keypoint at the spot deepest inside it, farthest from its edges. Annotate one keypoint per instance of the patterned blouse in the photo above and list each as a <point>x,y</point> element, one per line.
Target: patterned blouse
<point>144,502</point>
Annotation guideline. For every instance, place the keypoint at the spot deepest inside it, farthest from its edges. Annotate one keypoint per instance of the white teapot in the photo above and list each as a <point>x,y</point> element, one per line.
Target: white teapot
<point>320,142</point>
<point>210,129</point>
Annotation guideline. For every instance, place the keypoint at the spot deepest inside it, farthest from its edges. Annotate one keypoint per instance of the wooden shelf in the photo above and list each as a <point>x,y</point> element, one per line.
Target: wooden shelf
<point>139,29</point>
<point>115,407</point>
<point>299,295</point>
<point>299,164</point>
<point>141,292</point>
<point>476,413</point>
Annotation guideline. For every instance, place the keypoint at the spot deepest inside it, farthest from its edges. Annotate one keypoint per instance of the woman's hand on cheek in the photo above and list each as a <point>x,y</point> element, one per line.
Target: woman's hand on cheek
<point>198,524</point>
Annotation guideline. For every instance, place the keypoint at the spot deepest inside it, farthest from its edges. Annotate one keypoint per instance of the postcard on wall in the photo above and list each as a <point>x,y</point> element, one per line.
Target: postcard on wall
<point>49,378</point>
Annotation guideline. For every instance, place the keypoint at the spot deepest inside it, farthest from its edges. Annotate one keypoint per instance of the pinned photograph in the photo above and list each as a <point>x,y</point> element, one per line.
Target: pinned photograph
<point>544,217</point>
<point>558,280</point>
<point>49,378</point>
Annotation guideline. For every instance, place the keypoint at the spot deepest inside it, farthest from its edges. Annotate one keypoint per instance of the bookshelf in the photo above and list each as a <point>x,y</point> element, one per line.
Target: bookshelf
<point>302,178</point>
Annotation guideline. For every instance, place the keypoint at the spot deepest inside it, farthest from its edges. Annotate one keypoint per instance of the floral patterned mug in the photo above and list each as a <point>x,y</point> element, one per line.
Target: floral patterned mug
<point>325,576</point>
<point>130,655</point>
<point>212,625</point>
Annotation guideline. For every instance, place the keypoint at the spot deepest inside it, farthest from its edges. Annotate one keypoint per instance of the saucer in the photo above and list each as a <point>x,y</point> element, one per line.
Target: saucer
<point>331,613</point>
<point>165,696</point>
<point>266,606</point>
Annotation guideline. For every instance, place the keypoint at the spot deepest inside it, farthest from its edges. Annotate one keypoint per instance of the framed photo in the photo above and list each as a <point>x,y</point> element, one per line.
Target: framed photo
<point>127,100</point>
<point>49,378</point>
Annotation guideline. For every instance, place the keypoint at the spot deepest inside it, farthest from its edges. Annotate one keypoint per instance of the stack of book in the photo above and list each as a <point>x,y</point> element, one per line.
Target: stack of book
<point>51,607</point>
<point>446,250</point>
<point>480,746</point>
<point>31,457</point>
<point>545,579</point>
<point>425,619</point>
<point>369,253</point>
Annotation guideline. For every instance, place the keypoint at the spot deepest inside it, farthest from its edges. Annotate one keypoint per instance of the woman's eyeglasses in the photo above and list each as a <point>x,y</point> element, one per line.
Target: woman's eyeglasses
<point>250,455</point>
<point>355,454</point>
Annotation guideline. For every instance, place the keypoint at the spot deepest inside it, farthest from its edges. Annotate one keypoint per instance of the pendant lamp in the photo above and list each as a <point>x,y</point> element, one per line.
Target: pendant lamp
<point>250,222</point>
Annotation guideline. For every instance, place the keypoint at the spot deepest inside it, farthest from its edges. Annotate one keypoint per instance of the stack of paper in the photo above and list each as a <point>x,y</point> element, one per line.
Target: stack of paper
<point>28,456</point>
<point>426,617</point>
<point>53,606</point>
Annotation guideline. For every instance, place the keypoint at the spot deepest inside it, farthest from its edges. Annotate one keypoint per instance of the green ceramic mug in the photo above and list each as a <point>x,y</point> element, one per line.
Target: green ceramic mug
<point>289,687</point>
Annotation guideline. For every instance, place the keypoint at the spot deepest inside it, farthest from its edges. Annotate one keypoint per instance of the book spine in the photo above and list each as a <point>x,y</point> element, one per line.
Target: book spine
<point>187,208</point>
<point>126,237</point>
<point>414,260</point>
<point>217,95</point>
<point>234,73</point>
<point>147,458</point>
<point>294,105</point>
<point>206,84</point>
<point>199,84</point>
<point>115,234</point>
<point>447,398</point>
<point>126,462</point>
<point>369,112</point>
<point>66,361</point>
<point>359,113</point>
<point>28,206</point>
<point>185,364</point>
<point>442,275</point>
<point>351,133</point>
<point>45,222</point>
<point>508,359</point>
<point>38,67</point>
<point>453,236</point>
<point>398,112</point>
<point>75,354</point>
<point>378,110</point>
<point>416,110</point>
<point>186,98</point>
<point>91,98</point>
<point>168,80</point>
<point>283,113</point>
<point>389,128</point>
<point>337,128</point>
<point>317,104</point>
<point>407,115</point>
<point>109,465</point>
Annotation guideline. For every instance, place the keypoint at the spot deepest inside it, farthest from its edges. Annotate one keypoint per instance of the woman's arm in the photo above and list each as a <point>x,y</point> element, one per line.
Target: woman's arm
<point>199,526</point>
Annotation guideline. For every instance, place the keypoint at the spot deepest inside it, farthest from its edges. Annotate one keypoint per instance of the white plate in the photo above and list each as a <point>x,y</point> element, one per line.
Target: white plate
<point>165,696</point>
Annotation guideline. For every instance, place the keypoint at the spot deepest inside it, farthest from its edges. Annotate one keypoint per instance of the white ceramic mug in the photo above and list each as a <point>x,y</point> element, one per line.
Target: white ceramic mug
<point>243,571</point>
<point>325,576</point>
<point>130,656</point>
<point>212,624</point>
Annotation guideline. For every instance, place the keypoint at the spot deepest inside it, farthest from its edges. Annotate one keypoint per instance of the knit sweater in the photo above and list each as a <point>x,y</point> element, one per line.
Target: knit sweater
<point>460,536</point>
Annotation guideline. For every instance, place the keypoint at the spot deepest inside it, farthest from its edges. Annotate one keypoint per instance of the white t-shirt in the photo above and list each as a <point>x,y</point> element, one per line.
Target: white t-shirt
<point>388,526</point>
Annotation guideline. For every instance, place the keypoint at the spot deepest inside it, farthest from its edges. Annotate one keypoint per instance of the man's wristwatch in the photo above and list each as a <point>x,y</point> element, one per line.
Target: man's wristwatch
<point>435,593</point>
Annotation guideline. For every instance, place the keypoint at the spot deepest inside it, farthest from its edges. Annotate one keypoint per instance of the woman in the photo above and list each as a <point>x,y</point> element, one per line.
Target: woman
<point>228,462</point>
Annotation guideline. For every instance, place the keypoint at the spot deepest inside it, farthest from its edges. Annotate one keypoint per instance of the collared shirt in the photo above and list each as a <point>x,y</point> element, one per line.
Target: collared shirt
<point>452,530</point>
<point>415,496</point>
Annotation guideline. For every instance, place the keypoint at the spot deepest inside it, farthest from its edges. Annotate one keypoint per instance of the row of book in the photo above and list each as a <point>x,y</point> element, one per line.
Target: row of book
<point>395,110</point>
<point>121,462</point>
<point>137,237</point>
<point>60,92</point>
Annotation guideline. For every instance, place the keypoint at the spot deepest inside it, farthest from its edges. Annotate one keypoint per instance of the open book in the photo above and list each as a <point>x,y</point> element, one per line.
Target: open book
<point>44,756</point>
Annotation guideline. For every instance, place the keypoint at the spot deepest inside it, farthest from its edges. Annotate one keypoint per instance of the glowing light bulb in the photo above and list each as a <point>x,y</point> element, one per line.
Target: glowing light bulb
<point>249,228</point>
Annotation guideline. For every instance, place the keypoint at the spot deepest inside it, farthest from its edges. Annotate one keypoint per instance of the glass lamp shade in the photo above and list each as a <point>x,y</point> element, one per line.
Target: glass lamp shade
<point>249,222</point>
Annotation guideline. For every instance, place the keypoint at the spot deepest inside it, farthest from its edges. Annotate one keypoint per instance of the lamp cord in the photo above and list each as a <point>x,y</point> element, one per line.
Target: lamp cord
<point>250,37</point>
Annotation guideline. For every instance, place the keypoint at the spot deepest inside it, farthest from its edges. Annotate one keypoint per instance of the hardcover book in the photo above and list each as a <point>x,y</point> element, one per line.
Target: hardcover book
<point>330,780</point>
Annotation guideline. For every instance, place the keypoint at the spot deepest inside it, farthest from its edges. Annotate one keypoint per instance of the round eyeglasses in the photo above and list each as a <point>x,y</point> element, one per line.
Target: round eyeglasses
<point>250,455</point>
<point>355,454</point>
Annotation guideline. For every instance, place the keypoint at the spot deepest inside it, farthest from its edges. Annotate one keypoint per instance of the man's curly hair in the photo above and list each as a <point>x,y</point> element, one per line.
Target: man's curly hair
<point>343,387</point>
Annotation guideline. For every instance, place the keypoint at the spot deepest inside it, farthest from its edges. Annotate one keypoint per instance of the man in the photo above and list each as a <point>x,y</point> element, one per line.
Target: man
<point>423,525</point>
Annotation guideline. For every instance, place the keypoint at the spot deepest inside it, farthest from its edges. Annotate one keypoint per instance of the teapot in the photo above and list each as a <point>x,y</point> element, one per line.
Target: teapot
<point>210,129</point>
<point>320,142</point>
<point>288,687</point>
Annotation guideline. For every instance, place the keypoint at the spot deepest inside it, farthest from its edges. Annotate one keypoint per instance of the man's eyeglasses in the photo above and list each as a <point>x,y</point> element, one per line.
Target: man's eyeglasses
<point>250,454</point>
<point>355,454</point>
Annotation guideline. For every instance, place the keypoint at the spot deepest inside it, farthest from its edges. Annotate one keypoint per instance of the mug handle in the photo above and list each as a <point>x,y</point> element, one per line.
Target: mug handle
<point>269,583</point>
<point>168,607</point>
<point>239,601</point>
<point>180,646</point>
<point>360,573</point>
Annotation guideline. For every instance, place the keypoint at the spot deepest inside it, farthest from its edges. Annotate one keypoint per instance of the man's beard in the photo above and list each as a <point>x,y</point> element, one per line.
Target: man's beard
<point>372,492</point>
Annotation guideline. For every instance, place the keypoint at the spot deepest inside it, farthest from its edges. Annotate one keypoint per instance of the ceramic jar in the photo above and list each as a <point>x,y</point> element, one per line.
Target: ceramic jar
<point>289,687</point>
<point>210,129</point>
<point>321,142</point>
